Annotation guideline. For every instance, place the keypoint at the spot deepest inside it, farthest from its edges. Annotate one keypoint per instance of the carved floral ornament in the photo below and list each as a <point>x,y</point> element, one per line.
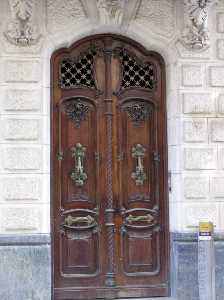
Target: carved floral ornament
<point>196,34</point>
<point>20,30</point>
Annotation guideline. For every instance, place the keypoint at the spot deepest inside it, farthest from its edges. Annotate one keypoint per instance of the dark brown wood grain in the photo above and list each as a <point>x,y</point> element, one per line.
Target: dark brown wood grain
<point>117,244</point>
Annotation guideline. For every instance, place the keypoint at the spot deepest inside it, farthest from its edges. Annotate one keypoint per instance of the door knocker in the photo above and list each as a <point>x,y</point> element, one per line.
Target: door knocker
<point>78,175</point>
<point>139,175</point>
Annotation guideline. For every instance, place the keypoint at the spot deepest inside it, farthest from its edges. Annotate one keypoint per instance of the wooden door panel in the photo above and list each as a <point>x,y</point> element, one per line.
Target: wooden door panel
<point>78,125</point>
<point>109,195</point>
<point>140,263</point>
<point>80,253</point>
<point>136,131</point>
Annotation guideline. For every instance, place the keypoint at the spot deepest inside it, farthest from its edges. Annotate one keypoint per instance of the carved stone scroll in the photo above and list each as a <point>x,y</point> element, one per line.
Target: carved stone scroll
<point>21,30</point>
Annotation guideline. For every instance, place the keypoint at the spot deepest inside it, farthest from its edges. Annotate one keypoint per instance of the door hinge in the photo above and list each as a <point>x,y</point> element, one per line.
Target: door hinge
<point>120,156</point>
<point>156,156</point>
<point>60,155</point>
<point>170,181</point>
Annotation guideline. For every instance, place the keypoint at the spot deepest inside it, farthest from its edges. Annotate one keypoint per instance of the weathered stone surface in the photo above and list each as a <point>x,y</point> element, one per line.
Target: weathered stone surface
<point>159,15</point>
<point>218,187</point>
<point>25,272</point>
<point>21,100</point>
<point>192,75</point>
<point>61,14</point>
<point>22,71</point>
<point>199,159</point>
<point>198,103</point>
<point>20,219</point>
<point>206,269</point>
<point>220,22</point>
<point>220,49</point>
<point>217,130</point>
<point>186,275</point>
<point>216,76</point>
<point>21,129</point>
<point>195,130</point>
<point>21,188</point>
<point>196,187</point>
<point>22,158</point>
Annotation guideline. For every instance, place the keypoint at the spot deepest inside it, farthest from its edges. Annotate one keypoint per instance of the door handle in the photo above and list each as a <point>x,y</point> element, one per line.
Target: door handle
<point>78,175</point>
<point>138,152</point>
<point>146,218</point>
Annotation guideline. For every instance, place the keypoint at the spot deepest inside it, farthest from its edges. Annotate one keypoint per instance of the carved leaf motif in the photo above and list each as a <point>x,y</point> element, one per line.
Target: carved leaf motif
<point>138,112</point>
<point>76,110</point>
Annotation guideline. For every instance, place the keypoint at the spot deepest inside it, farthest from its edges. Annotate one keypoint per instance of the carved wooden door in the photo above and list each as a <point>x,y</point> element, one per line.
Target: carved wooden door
<point>109,172</point>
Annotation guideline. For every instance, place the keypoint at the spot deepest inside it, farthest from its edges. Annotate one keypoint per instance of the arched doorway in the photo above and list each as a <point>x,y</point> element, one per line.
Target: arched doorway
<point>109,171</point>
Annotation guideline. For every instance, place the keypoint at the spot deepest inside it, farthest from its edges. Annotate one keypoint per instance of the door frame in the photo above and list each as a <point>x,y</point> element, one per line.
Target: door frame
<point>165,149</point>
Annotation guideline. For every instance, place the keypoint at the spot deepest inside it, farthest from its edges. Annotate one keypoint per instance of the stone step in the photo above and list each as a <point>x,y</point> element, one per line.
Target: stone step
<point>155,298</point>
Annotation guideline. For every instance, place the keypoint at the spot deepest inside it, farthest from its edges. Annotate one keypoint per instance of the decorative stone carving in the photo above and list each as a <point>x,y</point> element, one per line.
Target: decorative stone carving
<point>111,11</point>
<point>196,35</point>
<point>21,30</point>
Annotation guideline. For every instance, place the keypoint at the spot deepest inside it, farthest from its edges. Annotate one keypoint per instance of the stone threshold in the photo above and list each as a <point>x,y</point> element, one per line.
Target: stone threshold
<point>155,298</point>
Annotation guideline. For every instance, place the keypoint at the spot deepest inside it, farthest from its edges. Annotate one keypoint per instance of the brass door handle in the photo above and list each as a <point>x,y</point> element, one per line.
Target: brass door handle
<point>78,174</point>
<point>146,218</point>
<point>79,222</point>
<point>138,152</point>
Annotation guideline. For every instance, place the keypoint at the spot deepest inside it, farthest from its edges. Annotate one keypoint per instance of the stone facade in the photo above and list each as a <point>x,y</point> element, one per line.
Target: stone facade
<point>195,104</point>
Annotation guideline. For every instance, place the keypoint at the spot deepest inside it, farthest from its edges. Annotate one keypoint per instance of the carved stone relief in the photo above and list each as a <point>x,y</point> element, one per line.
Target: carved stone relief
<point>21,30</point>
<point>111,11</point>
<point>196,35</point>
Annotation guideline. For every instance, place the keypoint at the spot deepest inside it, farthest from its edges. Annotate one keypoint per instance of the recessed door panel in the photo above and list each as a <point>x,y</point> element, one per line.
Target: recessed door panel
<point>78,126</point>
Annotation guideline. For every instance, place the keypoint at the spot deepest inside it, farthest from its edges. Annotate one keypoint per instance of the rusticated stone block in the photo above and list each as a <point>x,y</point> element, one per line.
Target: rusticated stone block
<point>21,100</point>
<point>216,76</point>
<point>192,75</point>
<point>22,129</point>
<point>22,158</point>
<point>220,22</point>
<point>196,187</point>
<point>22,71</point>
<point>24,188</point>
<point>221,104</point>
<point>217,130</point>
<point>199,159</point>
<point>20,219</point>
<point>218,187</point>
<point>220,49</point>
<point>195,212</point>
<point>195,130</point>
<point>198,103</point>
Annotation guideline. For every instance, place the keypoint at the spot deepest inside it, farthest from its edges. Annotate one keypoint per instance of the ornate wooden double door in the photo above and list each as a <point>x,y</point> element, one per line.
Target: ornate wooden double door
<point>109,181</point>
